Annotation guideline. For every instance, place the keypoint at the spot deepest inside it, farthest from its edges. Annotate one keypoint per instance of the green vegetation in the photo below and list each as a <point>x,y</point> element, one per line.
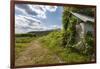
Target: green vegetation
<point>23,39</point>
<point>63,43</point>
<point>85,44</point>
<point>21,43</point>
<point>25,35</point>
<point>53,42</point>
<point>69,31</point>
<point>19,48</point>
<point>87,11</point>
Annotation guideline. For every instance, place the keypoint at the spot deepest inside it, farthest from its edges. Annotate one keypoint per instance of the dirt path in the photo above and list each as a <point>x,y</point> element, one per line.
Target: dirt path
<point>36,54</point>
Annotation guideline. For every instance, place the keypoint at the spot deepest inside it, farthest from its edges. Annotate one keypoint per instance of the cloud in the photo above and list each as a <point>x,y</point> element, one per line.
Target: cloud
<point>25,24</point>
<point>24,8</point>
<point>55,27</point>
<point>51,8</point>
<point>28,17</point>
<point>35,10</point>
<point>39,9</point>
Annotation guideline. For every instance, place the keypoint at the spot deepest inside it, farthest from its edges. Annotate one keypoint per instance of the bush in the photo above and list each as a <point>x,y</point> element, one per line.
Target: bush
<point>89,44</point>
<point>25,35</point>
<point>69,55</point>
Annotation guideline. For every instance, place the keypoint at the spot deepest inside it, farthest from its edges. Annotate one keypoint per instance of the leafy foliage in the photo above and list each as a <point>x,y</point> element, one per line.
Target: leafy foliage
<point>85,45</point>
<point>64,43</point>
<point>69,22</point>
<point>89,43</point>
<point>85,10</point>
<point>53,41</point>
<point>25,35</point>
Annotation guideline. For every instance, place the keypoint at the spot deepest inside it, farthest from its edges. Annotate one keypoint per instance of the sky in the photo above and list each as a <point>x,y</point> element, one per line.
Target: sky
<point>31,17</point>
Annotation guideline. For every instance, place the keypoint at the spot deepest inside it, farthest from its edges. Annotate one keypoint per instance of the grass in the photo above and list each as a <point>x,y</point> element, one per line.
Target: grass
<point>33,53</point>
<point>53,43</point>
<point>23,39</point>
<point>19,48</point>
<point>21,43</point>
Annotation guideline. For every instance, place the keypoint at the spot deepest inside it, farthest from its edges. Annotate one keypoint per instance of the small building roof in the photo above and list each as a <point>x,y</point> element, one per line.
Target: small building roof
<point>83,17</point>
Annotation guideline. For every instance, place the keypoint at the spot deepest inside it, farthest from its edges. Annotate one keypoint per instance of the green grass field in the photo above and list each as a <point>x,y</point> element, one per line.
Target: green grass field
<point>21,43</point>
<point>69,55</point>
<point>31,50</point>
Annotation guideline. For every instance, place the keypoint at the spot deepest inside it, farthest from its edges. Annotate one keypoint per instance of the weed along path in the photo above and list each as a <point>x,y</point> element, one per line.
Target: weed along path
<point>35,54</point>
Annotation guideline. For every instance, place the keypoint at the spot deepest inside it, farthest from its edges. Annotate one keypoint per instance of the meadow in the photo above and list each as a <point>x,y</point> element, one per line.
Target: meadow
<point>53,42</point>
<point>21,43</point>
<point>46,49</point>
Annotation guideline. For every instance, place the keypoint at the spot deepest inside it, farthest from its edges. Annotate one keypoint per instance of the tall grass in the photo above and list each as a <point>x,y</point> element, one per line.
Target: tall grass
<point>21,43</point>
<point>23,39</point>
<point>68,55</point>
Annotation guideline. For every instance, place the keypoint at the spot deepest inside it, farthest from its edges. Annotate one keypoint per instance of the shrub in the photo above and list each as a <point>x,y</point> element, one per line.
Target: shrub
<point>25,35</point>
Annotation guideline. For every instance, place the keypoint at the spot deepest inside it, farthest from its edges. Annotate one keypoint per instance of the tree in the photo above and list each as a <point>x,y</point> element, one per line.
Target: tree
<point>68,27</point>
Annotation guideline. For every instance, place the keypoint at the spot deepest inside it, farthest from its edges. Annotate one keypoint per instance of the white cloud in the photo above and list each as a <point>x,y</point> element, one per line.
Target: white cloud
<point>39,9</point>
<point>25,20</point>
<point>25,24</point>
<point>27,17</point>
<point>22,25</point>
<point>51,8</point>
<point>17,9</point>
<point>35,10</point>
<point>55,26</point>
